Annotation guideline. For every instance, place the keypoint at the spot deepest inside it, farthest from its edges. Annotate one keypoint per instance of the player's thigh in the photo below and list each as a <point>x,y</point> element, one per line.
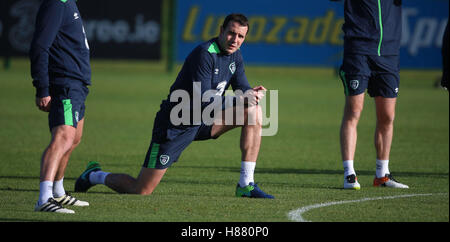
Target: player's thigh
<point>223,123</point>
<point>161,154</point>
<point>354,105</point>
<point>218,129</point>
<point>237,116</point>
<point>165,149</point>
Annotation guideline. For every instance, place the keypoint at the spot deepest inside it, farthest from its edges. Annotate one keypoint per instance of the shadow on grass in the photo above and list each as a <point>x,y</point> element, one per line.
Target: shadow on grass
<point>315,171</point>
<point>8,188</point>
<point>274,171</point>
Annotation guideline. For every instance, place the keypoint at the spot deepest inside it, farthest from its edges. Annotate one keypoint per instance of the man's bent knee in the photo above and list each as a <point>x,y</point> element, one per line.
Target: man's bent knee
<point>148,180</point>
<point>144,191</point>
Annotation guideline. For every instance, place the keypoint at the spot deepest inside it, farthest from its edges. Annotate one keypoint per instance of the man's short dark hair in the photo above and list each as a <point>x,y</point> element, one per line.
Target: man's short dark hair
<point>236,17</point>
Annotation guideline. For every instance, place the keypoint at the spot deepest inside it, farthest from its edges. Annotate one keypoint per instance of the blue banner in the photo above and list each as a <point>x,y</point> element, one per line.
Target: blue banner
<point>307,33</point>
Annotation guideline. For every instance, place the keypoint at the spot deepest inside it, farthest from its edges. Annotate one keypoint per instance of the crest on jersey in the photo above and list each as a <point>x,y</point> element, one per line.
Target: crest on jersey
<point>354,84</point>
<point>232,67</point>
<point>164,159</point>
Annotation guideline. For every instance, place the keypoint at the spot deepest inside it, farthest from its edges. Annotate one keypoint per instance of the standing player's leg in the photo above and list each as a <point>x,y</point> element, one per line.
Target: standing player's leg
<point>354,74</point>
<point>73,97</point>
<point>59,192</point>
<point>384,87</point>
<point>63,137</point>
<point>62,140</point>
<point>348,132</point>
<point>65,158</point>
<point>250,142</point>
<point>67,107</point>
<point>385,110</point>
<point>348,138</point>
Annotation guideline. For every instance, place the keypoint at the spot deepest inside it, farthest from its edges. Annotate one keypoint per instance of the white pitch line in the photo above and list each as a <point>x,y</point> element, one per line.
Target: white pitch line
<point>296,215</point>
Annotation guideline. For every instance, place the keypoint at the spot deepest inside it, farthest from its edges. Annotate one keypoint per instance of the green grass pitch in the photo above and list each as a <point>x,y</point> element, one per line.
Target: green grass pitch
<point>300,165</point>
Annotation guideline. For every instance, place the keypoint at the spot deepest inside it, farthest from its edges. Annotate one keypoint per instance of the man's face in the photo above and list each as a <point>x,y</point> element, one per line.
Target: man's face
<point>232,36</point>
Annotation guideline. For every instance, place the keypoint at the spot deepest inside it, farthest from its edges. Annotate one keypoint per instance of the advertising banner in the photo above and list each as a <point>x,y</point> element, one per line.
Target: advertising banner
<point>114,29</point>
<point>307,33</point>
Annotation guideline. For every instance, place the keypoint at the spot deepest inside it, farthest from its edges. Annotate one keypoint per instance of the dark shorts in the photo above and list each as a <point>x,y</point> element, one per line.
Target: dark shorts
<point>168,142</point>
<point>378,74</point>
<point>67,104</point>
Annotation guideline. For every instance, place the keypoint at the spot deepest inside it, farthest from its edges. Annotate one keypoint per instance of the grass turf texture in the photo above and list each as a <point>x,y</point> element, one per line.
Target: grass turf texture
<point>300,166</point>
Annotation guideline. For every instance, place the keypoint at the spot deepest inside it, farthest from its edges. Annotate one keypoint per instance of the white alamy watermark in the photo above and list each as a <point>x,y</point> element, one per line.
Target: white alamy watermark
<point>239,108</point>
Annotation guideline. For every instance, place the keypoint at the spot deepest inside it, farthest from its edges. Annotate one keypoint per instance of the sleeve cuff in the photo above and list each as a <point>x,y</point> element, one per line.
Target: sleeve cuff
<point>42,92</point>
